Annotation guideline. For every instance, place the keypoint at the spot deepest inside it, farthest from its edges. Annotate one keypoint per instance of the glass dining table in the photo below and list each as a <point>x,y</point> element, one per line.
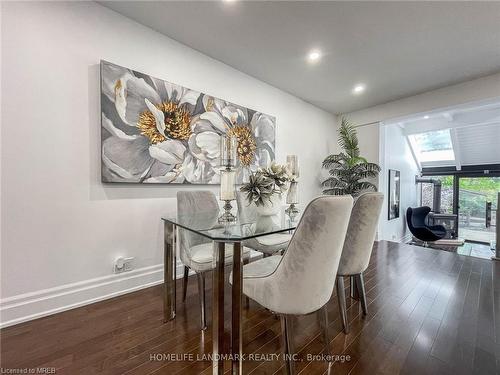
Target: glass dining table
<point>206,224</point>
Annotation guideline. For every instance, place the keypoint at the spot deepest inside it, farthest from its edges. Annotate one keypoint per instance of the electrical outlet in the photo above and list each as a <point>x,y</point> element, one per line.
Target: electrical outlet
<point>128,265</point>
<point>124,264</point>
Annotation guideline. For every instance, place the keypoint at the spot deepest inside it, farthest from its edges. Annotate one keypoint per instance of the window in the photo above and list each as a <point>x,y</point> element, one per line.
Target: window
<point>434,146</point>
<point>427,194</point>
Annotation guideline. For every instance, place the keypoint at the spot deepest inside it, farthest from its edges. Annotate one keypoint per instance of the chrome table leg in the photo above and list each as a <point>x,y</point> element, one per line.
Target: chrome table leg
<point>236,319</point>
<point>201,296</point>
<point>169,271</point>
<point>218,309</point>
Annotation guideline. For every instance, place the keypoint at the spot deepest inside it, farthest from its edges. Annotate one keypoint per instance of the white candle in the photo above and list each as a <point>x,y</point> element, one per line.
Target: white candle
<point>293,194</point>
<point>227,182</point>
<point>292,162</point>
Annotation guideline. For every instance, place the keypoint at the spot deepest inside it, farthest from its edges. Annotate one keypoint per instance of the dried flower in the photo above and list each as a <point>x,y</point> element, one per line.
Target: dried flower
<point>265,182</point>
<point>259,189</point>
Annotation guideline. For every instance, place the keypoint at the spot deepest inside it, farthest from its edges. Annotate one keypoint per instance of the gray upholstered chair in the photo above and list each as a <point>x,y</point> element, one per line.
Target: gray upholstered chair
<point>196,252</point>
<point>358,249</point>
<point>267,245</point>
<point>301,281</point>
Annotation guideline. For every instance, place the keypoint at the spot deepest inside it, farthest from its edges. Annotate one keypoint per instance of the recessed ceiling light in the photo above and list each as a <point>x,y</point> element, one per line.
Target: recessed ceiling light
<point>359,88</point>
<point>314,56</point>
<point>426,117</point>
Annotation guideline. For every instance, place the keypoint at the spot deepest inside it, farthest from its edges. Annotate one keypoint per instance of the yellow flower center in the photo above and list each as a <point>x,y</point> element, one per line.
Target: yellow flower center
<point>246,143</point>
<point>177,123</point>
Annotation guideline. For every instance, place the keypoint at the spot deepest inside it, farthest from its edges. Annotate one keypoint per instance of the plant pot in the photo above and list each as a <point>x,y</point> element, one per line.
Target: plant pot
<point>271,208</point>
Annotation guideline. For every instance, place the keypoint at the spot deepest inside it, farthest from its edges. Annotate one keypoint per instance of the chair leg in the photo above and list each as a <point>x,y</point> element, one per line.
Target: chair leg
<point>201,295</point>
<point>323,322</point>
<point>286,339</point>
<point>360,284</point>
<point>353,287</point>
<point>342,305</point>
<point>185,283</point>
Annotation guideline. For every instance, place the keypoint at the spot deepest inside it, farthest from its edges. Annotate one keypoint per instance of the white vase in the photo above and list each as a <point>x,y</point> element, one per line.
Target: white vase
<point>271,208</point>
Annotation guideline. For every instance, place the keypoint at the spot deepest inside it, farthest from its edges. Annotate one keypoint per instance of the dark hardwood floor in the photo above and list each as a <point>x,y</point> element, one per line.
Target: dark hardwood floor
<point>429,312</point>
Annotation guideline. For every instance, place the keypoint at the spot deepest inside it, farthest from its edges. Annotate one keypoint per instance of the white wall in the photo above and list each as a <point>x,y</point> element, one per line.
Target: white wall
<point>387,146</point>
<point>396,154</point>
<point>369,139</point>
<point>61,227</point>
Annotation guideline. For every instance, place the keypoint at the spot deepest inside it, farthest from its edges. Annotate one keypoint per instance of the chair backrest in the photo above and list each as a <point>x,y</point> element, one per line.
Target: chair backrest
<point>205,208</point>
<point>304,280</point>
<point>361,233</point>
<point>415,217</point>
<point>246,212</point>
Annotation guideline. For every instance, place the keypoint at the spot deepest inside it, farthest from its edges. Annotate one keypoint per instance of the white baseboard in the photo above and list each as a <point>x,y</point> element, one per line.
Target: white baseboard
<point>29,306</point>
<point>406,238</point>
<point>33,305</point>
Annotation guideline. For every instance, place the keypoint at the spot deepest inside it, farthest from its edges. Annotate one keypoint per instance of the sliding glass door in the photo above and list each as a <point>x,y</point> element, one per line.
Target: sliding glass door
<point>477,206</point>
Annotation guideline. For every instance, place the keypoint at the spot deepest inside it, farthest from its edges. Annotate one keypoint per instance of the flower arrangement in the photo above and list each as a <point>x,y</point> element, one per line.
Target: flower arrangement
<point>267,182</point>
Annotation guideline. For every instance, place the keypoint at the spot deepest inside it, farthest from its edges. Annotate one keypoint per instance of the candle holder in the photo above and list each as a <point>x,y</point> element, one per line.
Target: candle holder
<point>227,177</point>
<point>227,194</point>
<point>292,212</point>
<point>227,216</point>
<point>292,198</point>
<point>228,147</point>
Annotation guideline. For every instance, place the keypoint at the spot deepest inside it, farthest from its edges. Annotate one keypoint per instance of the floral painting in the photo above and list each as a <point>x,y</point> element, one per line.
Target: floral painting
<point>154,131</point>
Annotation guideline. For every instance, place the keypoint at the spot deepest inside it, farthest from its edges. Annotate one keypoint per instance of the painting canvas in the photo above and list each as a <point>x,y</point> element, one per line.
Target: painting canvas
<point>394,191</point>
<point>154,131</point>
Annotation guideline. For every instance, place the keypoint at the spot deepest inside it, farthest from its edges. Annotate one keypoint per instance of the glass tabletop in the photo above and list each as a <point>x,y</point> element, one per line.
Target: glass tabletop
<point>206,224</point>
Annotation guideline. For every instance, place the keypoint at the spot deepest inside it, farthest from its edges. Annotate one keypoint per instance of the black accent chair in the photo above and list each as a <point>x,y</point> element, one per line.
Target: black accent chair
<point>415,218</point>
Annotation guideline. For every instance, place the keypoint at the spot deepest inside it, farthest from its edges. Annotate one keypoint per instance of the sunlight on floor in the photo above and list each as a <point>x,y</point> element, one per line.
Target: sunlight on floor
<point>476,250</point>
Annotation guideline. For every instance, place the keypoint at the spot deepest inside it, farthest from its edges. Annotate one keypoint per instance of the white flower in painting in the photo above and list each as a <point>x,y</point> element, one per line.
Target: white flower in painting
<point>228,118</point>
<point>263,129</point>
<point>250,132</point>
<point>200,165</point>
<point>154,131</point>
<point>219,118</point>
<point>159,114</point>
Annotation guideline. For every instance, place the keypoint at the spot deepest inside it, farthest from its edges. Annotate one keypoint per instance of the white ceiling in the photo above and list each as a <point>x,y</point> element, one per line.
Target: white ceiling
<point>397,49</point>
<point>479,145</point>
<point>475,130</point>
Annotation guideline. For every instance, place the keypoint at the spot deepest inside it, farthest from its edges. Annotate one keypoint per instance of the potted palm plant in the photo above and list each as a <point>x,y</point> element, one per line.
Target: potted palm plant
<point>348,169</point>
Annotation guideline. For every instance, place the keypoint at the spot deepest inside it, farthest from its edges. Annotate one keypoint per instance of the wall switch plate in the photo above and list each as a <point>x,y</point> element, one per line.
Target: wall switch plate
<point>124,264</point>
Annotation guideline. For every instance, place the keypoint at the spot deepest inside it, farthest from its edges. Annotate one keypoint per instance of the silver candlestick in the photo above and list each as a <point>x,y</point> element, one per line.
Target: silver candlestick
<point>292,198</point>
<point>227,216</point>
<point>228,177</point>
<point>292,211</point>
